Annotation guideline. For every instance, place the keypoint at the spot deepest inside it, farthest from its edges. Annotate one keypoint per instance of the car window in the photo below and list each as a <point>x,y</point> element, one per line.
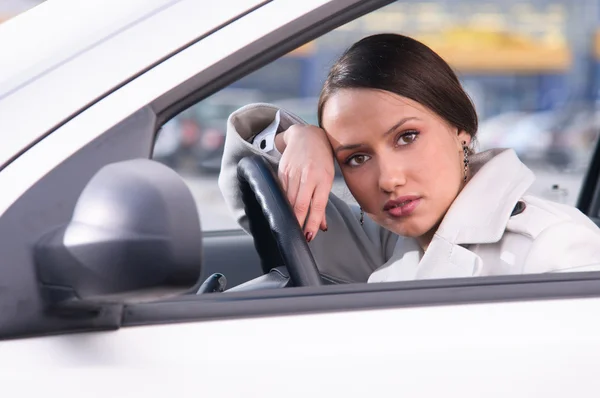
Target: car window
<point>528,67</point>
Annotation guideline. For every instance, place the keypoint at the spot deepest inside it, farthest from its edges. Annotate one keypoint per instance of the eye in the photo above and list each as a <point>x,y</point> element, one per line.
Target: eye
<point>357,160</point>
<point>407,138</point>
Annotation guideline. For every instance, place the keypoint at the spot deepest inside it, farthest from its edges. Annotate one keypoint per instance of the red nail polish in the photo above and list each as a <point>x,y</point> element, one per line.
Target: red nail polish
<point>309,236</point>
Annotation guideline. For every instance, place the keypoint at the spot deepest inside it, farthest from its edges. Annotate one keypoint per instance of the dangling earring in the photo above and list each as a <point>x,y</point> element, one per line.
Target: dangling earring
<point>466,160</point>
<point>362,216</point>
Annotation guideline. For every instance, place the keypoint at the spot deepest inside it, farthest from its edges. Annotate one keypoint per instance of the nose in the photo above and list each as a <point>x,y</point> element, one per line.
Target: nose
<point>392,174</point>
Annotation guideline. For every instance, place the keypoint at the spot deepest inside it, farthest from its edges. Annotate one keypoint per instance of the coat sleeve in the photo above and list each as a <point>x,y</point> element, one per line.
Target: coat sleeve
<point>565,247</point>
<point>242,126</point>
<point>348,251</point>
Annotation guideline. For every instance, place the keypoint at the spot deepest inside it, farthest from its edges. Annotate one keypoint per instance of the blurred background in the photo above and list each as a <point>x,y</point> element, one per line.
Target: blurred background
<point>531,67</point>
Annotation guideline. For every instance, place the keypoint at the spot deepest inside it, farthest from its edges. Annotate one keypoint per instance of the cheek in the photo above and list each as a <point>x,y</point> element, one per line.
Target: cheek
<point>363,184</point>
<point>445,174</point>
<point>438,166</point>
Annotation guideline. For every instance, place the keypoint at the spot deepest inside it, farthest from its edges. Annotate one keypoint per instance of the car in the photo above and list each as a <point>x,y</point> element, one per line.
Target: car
<point>529,134</point>
<point>106,271</point>
<point>561,139</point>
<point>212,115</point>
<point>493,132</point>
<point>197,135</point>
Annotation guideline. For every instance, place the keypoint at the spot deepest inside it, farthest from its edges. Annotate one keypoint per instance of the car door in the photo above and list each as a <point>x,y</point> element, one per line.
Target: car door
<point>520,336</point>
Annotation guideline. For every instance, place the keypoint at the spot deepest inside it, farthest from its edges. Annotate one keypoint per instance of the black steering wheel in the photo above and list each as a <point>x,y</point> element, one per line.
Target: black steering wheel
<point>278,236</point>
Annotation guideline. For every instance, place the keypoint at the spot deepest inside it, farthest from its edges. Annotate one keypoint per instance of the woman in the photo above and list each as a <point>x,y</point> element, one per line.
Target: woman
<point>394,116</point>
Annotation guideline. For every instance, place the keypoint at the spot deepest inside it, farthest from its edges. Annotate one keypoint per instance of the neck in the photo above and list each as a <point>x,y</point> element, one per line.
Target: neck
<point>425,239</point>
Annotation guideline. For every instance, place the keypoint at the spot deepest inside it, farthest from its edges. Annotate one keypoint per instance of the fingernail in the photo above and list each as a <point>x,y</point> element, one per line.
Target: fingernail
<point>309,236</point>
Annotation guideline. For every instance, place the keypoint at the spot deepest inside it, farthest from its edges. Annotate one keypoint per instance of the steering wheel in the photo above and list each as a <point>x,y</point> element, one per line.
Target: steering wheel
<point>278,236</point>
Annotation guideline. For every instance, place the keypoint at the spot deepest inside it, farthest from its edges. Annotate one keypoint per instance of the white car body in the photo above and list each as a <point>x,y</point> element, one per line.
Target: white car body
<point>73,71</point>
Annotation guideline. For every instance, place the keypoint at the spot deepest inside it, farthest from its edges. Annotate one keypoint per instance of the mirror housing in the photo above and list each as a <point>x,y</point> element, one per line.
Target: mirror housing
<point>134,235</point>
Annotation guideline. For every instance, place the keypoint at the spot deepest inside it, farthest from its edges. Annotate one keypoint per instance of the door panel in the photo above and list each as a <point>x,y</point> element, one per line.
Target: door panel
<point>519,349</point>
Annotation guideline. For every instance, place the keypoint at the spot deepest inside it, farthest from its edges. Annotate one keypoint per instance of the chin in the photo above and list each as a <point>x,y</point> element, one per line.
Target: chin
<point>408,228</point>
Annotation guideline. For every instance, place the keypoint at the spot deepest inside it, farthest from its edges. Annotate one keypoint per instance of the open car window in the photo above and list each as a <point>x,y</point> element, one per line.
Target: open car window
<point>520,63</point>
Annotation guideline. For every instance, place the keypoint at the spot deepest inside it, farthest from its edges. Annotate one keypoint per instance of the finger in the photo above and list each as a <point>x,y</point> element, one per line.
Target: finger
<point>302,201</point>
<point>323,226</point>
<point>318,206</point>
<point>283,179</point>
<point>292,190</point>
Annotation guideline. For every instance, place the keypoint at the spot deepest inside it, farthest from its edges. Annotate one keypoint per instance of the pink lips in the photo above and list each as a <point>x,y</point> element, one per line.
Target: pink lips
<point>403,206</point>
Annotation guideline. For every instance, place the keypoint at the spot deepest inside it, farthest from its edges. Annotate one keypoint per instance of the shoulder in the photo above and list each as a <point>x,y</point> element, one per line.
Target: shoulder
<point>562,237</point>
<point>538,215</point>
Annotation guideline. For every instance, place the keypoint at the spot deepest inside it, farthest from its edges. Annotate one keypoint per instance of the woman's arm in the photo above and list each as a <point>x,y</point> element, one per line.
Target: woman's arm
<point>306,171</point>
<point>242,126</point>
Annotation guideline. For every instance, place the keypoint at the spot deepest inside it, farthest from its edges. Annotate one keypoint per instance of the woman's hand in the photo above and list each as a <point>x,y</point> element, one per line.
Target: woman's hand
<point>306,171</point>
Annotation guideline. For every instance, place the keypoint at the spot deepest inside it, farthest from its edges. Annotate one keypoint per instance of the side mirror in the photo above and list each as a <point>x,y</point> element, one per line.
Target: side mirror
<point>134,235</point>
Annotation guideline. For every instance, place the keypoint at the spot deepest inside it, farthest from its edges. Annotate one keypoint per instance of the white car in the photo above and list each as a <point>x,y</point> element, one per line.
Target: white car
<point>102,253</point>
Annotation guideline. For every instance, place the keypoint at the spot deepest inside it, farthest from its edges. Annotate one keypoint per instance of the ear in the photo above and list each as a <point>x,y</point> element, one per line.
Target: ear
<point>465,137</point>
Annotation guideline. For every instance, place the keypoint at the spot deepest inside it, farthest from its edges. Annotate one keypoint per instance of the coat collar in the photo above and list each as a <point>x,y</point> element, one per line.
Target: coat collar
<point>479,214</point>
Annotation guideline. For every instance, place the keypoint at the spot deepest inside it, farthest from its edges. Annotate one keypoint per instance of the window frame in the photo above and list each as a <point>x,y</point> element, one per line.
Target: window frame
<point>364,297</point>
<point>360,296</point>
<point>589,195</point>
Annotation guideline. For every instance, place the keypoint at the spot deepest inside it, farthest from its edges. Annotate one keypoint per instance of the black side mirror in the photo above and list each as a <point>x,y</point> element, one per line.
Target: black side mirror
<point>135,235</point>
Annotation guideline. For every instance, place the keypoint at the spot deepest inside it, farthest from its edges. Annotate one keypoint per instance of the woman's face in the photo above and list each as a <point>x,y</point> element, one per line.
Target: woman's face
<point>402,163</point>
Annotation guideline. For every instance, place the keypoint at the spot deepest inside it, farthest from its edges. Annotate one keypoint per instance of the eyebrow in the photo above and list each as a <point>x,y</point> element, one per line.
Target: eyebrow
<point>388,132</point>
